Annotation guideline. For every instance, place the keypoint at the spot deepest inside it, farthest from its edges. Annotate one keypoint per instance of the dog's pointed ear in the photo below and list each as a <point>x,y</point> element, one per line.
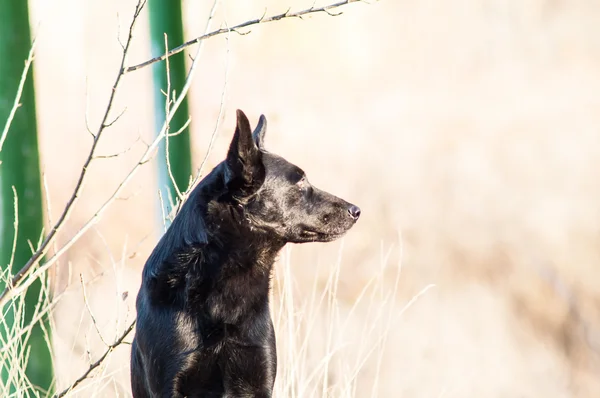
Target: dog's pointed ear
<point>246,171</point>
<point>259,132</point>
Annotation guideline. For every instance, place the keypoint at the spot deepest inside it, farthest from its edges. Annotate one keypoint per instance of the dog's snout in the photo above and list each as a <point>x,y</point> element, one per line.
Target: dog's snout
<point>354,212</point>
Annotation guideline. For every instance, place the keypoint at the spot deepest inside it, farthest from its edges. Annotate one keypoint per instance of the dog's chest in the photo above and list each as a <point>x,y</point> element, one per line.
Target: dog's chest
<point>228,292</point>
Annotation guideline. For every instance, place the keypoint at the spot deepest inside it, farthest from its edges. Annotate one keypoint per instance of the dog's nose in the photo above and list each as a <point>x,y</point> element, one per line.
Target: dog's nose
<point>354,212</point>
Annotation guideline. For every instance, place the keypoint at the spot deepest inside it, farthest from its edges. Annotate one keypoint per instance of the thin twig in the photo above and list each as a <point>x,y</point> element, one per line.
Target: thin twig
<point>16,104</point>
<point>183,196</point>
<point>298,14</point>
<point>49,221</point>
<point>193,181</point>
<point>87,306</point>
<point>167,109</point>
<point>123,152</point>
<point>182,129</point>
<point>116,119</point>
<point>43,249</point>
<point>7,345</point>
<point>217,124</point>
<point>87,109</point>
<point>16,230</point>
<point>98,362</point>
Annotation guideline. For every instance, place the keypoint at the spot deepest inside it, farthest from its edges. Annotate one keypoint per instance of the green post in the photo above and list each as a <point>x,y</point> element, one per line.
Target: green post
<point>166,18</point>
<point>20,168</point>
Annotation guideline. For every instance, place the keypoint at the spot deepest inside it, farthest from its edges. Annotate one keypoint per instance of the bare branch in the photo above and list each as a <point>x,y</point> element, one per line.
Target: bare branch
<point>298,14</point>
<point>19,283</point>
<point>43,249</point>
<point>16,104</point>
<point>98,362</point>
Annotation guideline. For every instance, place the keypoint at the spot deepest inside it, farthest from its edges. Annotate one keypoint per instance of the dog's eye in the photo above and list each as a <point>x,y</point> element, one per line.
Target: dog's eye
<point>302,182</point>
<point>304,186</point>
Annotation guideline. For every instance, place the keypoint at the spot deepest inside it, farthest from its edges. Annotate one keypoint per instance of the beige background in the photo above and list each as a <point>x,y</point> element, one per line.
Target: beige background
<point>467,131</point>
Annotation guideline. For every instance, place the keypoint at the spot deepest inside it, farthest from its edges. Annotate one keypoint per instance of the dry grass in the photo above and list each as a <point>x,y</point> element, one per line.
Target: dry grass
<point>323,343</point>
<point>469,127</point>
<point>14,352</point>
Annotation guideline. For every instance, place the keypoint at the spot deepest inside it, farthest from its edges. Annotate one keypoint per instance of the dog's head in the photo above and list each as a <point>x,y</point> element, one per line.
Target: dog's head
<point>275,195</point>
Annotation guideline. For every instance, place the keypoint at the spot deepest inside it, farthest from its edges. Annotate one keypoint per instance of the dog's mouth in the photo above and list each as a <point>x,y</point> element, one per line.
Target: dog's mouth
<point>310,235</point>
<point>322,232</point>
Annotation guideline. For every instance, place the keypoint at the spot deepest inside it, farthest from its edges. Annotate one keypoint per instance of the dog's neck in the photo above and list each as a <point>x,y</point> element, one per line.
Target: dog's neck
<point>232,233</point>
<point>234,258</point>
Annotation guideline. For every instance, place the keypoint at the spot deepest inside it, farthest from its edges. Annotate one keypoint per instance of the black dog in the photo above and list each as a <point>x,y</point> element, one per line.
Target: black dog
<point>203,322</point>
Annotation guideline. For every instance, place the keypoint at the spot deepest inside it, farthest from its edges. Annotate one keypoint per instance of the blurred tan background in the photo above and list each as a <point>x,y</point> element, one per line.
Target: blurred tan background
<point>467,131</point>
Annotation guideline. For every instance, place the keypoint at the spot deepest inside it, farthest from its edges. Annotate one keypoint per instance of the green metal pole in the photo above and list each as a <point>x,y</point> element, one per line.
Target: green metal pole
<point>166,18</point>
<point>20,168</point>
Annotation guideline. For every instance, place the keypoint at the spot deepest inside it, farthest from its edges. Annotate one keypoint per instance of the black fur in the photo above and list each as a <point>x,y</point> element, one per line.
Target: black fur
<point>203,323</point>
